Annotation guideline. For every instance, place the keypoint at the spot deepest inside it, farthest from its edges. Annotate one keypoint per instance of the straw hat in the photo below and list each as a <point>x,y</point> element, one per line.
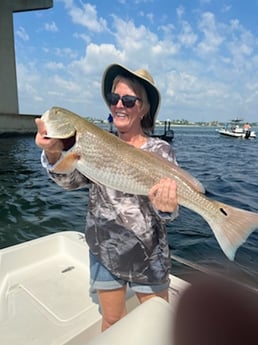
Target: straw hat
<point>145,79</point>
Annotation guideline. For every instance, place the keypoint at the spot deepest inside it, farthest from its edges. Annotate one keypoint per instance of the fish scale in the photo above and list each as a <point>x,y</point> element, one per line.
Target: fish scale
<point>105,159</point>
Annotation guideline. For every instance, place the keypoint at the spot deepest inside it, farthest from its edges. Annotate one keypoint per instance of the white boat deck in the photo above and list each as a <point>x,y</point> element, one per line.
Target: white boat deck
<point>45,299</point>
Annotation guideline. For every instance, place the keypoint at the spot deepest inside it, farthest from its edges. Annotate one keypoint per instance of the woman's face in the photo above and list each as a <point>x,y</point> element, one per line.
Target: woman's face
<point>126,119</point>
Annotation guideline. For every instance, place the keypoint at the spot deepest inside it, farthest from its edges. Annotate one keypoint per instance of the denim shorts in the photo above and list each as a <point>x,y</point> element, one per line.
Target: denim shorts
<point>102,279</point>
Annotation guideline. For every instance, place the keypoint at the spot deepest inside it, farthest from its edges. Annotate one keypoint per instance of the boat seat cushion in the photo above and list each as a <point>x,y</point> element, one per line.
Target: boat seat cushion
<point>150,323</point>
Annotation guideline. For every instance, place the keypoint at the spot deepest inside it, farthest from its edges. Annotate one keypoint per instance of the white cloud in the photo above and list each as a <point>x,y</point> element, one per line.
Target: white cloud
<point>226,8</point>
<point>212,39</point>
<point>187,37</point>
<point>67,53</point>
<point>67,85</point>
<point>21,32</point>
<point>55,65</point>
<point>201,64</point>
<point>51,27</point>
<point>180,11</point>
<point>86,15</point>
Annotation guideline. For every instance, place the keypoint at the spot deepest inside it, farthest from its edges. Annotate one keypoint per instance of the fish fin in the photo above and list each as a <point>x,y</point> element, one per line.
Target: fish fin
<point>66,164</point>
<point>232,227</point>
<point>193,181</point>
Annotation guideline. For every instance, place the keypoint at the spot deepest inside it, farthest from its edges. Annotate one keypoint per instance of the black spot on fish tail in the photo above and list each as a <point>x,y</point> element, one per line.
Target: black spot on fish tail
<point>223,211</point>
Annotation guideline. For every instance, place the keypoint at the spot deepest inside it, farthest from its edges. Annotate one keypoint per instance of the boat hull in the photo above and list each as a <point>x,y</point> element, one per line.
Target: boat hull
<point>45,298</point>
<point>241,134</point>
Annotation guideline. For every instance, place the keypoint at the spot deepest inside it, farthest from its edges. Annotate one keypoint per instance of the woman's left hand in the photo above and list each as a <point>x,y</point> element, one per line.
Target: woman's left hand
<point>163,195</point>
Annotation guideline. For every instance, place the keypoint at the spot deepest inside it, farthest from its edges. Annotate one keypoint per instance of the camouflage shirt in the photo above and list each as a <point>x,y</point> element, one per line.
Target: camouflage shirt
<point>125,231</point>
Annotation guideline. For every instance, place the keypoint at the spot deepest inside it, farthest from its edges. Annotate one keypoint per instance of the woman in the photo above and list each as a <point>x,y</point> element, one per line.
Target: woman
<point>126,233</point>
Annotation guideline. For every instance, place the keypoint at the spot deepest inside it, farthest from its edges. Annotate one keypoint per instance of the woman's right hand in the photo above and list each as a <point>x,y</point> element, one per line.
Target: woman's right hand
<point>52,147</point>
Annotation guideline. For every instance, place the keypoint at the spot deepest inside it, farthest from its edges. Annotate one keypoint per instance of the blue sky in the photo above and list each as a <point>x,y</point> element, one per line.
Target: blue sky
<point>202,54</point>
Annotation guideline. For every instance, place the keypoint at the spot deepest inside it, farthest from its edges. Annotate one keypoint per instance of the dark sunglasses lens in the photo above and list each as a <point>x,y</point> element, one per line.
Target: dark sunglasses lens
<point>113,98</point>
<point>129,101</point>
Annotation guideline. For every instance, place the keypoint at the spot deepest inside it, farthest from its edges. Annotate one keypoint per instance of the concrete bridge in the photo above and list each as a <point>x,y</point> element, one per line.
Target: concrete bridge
<point>11,122</point>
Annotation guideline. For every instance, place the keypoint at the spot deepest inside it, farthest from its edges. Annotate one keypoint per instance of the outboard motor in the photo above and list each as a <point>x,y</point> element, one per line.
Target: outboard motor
<point>247,134</point>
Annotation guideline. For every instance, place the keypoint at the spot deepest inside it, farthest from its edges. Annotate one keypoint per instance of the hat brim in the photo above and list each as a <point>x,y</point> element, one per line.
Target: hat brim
<point>152,92</point>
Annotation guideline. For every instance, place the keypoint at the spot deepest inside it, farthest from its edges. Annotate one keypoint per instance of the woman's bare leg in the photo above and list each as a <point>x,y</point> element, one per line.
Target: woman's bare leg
<point>143,297</point>
<point>113,307</point>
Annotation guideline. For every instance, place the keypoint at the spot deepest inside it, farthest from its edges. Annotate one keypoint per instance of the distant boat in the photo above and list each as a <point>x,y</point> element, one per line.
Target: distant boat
<point>236,129</point>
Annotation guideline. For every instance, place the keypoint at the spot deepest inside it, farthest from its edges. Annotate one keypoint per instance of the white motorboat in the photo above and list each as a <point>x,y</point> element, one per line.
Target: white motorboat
<point>45,299</point>
<point>236,130</point>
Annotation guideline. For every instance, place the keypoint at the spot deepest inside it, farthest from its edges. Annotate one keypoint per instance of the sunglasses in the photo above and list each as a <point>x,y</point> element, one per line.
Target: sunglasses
<point>127,100</point>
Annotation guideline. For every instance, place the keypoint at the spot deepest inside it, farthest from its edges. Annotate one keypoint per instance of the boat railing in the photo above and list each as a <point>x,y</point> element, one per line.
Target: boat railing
<point>211,272</point>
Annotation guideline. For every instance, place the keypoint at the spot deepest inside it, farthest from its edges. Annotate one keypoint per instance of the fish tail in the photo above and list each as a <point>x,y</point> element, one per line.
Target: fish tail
<point>231,227</point>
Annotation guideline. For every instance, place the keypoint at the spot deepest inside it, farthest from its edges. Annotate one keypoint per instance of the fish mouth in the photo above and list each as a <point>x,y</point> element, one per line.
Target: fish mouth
<point>69,142</point>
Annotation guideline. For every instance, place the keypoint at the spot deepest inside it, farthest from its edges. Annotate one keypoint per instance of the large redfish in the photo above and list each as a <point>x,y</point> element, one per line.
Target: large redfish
<point>107,160</point>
